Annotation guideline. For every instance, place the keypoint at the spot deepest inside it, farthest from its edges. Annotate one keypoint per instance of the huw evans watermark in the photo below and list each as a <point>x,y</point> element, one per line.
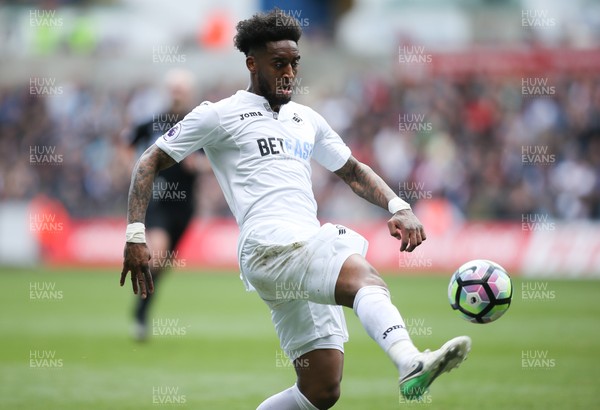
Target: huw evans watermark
<point>410,54</point>
<point>44,18</point>
<point>283,361</point>
<point>167,259</point>
<point>537,87</point>
<point>168,395</point>
<point>287,290</point>
<point>537,155</point>
<point>47,359</point>
<point>162,123</point>
<point>417,327</point>
<point>290,17</point>
<point>45,222</point>
<point>168,327</point>
<point>44,155</point>
<point>537,291</point>
<point>168,54</point>
<point>168,191</point>
<point>537,359</point>
<point>413,191</point>
<point>44,291</point>
<point>537,18</point>
<point>415,259</point>
<point>537,222</point>
<point>413,123</point>
<point>44,86</point>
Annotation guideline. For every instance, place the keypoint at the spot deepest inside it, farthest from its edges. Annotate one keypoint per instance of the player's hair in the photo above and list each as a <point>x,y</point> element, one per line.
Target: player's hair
<point>261,28</point>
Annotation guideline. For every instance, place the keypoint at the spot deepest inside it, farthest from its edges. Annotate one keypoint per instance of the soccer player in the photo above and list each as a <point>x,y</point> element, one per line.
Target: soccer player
<point>260,145</point>
<point>172,206</point>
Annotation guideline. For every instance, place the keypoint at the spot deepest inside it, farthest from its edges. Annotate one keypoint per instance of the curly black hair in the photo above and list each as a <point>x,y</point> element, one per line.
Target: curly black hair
<point>255,32</point>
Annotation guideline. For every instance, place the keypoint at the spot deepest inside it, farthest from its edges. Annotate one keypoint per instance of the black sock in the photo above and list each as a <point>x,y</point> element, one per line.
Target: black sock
<point>143,305</point>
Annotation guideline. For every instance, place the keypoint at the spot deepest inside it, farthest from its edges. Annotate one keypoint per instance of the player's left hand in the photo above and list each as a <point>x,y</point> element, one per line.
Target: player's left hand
<point>405,226</point>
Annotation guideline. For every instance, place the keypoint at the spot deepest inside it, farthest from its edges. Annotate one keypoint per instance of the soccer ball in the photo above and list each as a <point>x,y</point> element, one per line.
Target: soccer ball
<point>480,290</point>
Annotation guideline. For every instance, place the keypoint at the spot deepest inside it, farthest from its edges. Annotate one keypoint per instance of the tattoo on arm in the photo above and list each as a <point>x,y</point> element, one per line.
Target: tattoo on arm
<point>365,182</point>
<point>152,160</point>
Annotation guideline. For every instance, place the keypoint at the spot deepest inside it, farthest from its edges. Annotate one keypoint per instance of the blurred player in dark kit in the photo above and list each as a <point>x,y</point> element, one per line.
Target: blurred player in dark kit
<point>172,205</point>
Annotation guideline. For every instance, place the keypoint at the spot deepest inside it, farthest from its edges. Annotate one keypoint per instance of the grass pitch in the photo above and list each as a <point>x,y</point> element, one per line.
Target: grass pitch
<point>66,344</point>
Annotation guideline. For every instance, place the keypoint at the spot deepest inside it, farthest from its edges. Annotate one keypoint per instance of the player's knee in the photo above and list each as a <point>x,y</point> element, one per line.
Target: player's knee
<point>369,277</point>
<point>356,274</point>
<point>372,278</point>
<point>325,395</point>
<point>328,397</point>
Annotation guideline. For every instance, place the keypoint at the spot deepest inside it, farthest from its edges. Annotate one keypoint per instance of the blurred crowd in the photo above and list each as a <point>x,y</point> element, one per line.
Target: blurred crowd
<point>486,145</point>
<point>480,143</point>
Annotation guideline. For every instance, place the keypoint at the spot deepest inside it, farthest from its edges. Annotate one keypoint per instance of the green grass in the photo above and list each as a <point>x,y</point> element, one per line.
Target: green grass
<point>227,357</point>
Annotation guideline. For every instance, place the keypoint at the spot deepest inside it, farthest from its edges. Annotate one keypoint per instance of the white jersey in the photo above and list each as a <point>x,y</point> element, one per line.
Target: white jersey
<point>261,160</point>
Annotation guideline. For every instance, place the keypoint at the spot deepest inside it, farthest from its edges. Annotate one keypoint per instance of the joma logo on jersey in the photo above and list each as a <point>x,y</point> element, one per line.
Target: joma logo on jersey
<point>274,146</point>
<point>250,114</point>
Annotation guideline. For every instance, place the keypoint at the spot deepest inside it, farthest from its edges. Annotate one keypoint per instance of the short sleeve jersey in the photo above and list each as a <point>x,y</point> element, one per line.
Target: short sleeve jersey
<point>261,159</point>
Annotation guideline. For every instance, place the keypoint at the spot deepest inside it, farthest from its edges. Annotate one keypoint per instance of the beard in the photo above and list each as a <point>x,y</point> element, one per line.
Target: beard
<point>274,98</point>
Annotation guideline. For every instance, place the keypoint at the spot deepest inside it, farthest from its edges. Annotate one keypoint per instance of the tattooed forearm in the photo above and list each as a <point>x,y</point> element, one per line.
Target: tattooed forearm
<point>365,182</point>
<point>153,160</point>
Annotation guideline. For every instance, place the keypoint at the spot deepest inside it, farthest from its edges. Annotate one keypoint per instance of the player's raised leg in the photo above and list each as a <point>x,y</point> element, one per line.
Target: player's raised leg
<point>426,366</point>
<point>360,287</point>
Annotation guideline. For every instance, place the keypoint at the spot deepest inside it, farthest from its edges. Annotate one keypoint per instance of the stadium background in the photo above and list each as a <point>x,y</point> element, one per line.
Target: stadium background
<point>485,115</point>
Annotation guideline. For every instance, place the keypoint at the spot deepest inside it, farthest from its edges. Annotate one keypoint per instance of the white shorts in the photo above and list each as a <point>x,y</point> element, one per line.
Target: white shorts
<point>297,281</point>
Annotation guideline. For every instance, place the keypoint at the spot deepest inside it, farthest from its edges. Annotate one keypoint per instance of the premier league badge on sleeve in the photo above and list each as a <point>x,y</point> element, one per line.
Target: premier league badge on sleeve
<point>173,132</point>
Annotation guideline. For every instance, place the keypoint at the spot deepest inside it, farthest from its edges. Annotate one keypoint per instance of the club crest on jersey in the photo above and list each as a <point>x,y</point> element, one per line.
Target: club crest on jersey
<point>173,132</point>
<point>250,114</point>
<point>296,118</point>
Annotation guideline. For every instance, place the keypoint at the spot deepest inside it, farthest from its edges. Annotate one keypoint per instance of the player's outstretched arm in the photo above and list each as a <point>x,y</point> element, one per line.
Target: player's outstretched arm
<point>403,225</point>
<point>136,254</point>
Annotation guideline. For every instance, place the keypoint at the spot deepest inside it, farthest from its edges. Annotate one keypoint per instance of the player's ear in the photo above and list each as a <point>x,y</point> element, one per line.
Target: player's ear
<point>251,64</point>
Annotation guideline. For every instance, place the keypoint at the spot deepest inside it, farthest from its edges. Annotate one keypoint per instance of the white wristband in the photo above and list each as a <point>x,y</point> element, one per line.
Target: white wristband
<point>397,204</point>
<point>135,233</point>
